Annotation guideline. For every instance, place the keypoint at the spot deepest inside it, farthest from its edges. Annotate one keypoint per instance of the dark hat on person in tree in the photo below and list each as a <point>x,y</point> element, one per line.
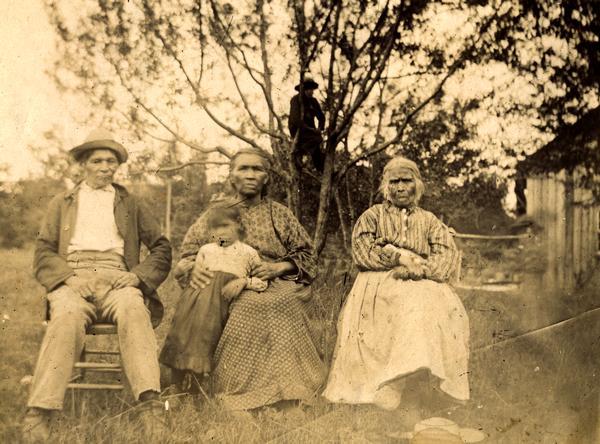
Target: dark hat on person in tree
<point>309,83</point>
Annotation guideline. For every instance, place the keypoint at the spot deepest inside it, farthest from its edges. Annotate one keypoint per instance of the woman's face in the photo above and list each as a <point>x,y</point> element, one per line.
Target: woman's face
<point>248,175</point>
<point>401,188</point>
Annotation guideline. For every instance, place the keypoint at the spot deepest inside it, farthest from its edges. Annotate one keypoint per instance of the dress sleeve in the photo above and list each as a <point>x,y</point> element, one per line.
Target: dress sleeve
<point>444,257</point>
<point>254,283</point>
<point>253,259</point>
<point>297,243</point>
<point>195,237</point>
<point>366,251</point>
<point>193,240</point>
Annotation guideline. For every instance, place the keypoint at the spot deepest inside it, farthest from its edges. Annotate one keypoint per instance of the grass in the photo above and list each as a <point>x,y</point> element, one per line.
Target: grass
<point>541,388</point>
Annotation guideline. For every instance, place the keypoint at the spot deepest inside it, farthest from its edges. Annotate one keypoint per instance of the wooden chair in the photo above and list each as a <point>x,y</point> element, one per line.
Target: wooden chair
<point>84,365</point>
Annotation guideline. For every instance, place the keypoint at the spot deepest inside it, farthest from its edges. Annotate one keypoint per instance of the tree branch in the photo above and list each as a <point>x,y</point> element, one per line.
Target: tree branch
<point>251,115</point>
<point>176,135</point>
<point>458,63</point>
<point>172,168</point>
<point>246,64</point>
<point>196,90</point>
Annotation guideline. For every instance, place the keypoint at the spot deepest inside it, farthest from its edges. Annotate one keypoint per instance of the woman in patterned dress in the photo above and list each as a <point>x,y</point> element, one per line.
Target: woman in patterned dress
<point>266,352</point>
<point>401,317</point>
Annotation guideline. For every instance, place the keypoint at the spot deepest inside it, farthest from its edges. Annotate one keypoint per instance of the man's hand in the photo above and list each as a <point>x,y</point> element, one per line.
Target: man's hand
<point>201,277</point>
<point>270,270</point>
<point>126,279</point>
<point>80,286</point>
<point>233,288</point>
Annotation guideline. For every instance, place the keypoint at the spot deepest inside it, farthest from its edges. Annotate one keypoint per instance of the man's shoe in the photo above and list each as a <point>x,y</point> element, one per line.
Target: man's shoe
<point>153,418</point>
<point>36,425</point>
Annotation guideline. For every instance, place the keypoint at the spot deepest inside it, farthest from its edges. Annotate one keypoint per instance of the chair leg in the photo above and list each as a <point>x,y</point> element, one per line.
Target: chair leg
<point>83,358</point>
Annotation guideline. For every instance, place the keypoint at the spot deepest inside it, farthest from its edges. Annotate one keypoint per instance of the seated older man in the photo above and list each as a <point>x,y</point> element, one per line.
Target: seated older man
<point>87,256</point>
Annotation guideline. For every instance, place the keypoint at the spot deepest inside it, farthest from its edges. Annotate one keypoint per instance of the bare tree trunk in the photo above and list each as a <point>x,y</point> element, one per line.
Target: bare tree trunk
<point>293,188</point>
<point>168,208</point>
<point>351,209</point>
<point>373,186</point>
<point>343,224</point>
<point>325,198</point>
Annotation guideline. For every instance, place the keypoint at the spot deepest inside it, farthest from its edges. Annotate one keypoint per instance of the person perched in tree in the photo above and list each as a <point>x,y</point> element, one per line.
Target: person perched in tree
<point>304,108</point>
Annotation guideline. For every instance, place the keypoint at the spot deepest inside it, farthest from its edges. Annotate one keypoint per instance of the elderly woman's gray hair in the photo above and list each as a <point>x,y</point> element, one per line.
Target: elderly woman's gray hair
<point>402,163</point>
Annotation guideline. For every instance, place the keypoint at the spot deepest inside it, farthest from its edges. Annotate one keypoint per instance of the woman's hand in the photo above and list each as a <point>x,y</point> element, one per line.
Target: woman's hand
<point>387,262</point>
<point>233,288</point>
<point>270,270</point>
<point>410,270</point>
<point>201,277</point>
<point>182,272</point>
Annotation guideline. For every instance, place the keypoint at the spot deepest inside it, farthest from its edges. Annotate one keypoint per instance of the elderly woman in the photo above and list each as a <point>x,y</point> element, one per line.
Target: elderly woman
<point>401,317</point>
<point>266,353</point>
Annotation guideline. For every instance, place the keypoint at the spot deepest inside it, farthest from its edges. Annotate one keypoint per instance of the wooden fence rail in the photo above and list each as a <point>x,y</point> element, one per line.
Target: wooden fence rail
<point>492,237</point>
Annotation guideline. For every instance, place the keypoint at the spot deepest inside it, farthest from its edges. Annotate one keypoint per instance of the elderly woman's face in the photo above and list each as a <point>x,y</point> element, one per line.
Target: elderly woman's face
<point>249,175</point>
<point>401,187</point>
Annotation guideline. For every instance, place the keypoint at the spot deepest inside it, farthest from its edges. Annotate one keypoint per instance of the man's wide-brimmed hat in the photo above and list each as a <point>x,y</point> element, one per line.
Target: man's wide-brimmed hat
<point>441,431</point>
<point>100,139</point>
<point>309,83</point>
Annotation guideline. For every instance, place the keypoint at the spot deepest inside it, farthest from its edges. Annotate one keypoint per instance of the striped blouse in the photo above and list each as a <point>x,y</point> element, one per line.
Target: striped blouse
<point>412,228</point>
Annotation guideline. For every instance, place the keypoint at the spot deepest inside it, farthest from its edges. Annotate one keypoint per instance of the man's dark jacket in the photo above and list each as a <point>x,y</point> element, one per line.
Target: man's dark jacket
<point>312,111</point>
<point>135,224</point>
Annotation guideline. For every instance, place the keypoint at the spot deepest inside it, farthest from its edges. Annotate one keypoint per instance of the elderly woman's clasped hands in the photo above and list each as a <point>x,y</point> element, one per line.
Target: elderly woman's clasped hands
<point>405,264</point>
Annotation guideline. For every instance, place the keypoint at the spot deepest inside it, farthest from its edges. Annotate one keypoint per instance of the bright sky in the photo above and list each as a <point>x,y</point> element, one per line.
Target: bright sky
<point>29,101</point>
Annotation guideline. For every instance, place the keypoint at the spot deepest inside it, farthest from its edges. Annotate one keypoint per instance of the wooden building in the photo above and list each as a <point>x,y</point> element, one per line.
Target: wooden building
<point>562,196</point>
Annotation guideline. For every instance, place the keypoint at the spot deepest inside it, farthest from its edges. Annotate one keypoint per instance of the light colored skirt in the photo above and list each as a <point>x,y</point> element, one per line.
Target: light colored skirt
<point>390,328</point>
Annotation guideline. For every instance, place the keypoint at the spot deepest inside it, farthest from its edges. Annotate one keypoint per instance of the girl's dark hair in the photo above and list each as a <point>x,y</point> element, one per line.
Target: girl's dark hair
<point>218,215</point>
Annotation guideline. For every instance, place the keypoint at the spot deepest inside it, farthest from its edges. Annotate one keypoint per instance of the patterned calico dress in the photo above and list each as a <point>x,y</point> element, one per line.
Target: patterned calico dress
<point>392,327</point>
<point>266,352</point>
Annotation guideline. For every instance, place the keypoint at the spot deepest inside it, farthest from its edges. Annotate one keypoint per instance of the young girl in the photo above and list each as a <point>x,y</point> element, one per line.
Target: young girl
<point>202,312</point>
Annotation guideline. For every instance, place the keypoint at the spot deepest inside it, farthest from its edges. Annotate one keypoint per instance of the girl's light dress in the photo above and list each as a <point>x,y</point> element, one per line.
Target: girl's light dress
<point>201,314</point>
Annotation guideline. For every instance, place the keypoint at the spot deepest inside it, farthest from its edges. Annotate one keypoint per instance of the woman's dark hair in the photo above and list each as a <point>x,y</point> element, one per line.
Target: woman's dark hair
<point>264,156</point>
<point>219,215</point>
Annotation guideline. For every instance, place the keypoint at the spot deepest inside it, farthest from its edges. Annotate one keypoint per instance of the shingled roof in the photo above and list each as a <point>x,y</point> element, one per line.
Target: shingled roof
<point>576,144</point>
